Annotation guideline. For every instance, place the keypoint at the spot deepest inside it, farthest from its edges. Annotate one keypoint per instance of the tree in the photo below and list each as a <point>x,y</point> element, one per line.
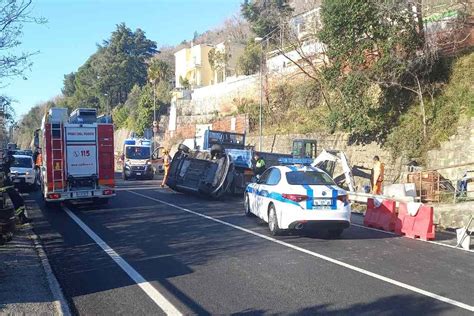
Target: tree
<point>69,84</point>
<point>158,70</point>
<point>117,65</point>
<point>13,14</point>
<point>249,62</point>
<point>145,111</point>
<point>265,16</point>
<point>375,50</point>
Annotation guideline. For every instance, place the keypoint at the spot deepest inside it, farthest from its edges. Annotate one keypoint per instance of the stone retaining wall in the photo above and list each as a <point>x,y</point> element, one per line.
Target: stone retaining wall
<point>453,215</point>
<point>358,155</point>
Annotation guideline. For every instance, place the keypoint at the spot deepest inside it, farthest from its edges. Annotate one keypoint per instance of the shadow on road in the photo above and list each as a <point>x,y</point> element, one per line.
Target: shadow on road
<point>389,306</point>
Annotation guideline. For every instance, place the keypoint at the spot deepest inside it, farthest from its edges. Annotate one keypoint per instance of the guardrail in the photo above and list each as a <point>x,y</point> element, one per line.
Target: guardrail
<point>362,197</point>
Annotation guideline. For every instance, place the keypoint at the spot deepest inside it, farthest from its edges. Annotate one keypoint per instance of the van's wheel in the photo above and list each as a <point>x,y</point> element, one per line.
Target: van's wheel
<point>273,221</point>
<point>335,233</point>
<point>247,211</point>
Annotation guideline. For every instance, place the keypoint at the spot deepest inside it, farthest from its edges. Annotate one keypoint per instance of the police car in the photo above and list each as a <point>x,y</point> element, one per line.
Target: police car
<point>297,197</point>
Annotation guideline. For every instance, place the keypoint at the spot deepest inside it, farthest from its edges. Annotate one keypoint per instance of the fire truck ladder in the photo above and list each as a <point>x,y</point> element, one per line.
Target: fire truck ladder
<point>57,151</point>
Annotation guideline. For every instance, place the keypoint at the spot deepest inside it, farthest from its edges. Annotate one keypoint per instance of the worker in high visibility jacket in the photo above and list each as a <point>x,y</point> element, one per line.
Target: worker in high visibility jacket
<point>39,158</point>
<point>378,175</point>
<point>166,166</point>
<point>259,165</point>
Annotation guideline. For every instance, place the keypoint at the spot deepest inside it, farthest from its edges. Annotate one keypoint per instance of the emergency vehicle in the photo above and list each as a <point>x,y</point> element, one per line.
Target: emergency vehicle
<point>137,159</point>
<point>298,196</point>
<point>77,156</point>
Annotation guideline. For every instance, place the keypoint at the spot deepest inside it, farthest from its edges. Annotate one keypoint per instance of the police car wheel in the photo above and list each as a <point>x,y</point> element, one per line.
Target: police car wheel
<point>273,221</point>
<point>247,211</point>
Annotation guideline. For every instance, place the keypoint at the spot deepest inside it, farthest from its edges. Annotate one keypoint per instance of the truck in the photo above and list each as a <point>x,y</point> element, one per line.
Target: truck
<point>137,159</point>
<point>77,157</point>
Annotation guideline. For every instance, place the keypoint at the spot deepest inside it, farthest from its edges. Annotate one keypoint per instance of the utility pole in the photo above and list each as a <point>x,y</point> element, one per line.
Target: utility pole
<point>260,117</point>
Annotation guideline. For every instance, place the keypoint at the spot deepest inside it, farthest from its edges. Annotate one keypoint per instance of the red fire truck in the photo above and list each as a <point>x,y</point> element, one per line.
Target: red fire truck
<point>77,156</point>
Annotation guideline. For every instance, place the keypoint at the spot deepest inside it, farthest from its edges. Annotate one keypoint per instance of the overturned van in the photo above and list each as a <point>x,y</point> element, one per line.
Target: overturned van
<point>208,173</point>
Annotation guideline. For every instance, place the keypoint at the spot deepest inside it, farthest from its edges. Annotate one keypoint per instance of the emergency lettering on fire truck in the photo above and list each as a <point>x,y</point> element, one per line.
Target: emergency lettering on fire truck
<point>78,156</point>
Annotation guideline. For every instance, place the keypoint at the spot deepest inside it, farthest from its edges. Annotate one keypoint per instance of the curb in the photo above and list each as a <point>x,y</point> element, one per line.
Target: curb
<point>60,303</point>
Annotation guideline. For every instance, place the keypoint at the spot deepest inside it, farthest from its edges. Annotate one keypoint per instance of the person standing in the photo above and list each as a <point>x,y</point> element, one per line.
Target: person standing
<point>15,197</point>
<point>166,166</point>
<point>259,165</point>
<point>378,175</point>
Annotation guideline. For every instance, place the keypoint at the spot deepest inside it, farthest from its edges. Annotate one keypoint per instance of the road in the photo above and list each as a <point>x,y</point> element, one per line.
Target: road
<point>154,251</point>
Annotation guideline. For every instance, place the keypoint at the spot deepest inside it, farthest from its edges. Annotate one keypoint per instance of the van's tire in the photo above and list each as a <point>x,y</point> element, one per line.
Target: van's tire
<point>217,149</point>
<point>184,148</point>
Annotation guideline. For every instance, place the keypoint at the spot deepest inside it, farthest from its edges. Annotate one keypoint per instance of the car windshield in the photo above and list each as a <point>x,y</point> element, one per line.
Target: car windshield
<point>22,162</point>
<point>308,177</point>
<point>137,152</point>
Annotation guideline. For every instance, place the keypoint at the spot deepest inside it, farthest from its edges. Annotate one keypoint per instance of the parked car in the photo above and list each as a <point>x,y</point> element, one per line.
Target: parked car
<point>23,172</point>
<point>298,197</point>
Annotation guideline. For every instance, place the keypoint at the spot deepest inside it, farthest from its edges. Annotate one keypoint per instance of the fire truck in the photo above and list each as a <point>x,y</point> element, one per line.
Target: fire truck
<point>77,156</point>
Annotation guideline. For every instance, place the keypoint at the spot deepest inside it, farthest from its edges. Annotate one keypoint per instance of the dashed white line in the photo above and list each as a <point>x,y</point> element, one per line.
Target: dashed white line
<point>320,256</point>
<point>151,291</point>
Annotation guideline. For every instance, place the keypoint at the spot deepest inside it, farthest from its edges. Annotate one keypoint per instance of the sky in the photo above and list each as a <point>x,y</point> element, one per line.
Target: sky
<point>75,27</point>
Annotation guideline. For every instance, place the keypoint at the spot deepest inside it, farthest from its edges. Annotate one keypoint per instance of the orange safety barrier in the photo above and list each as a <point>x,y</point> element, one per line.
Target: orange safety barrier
<point>419,226</point>
<point>383,216</point>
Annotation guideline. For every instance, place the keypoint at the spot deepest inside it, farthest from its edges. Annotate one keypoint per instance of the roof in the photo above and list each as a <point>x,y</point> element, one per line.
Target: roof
<point>299,168</point>
<point>22,156</point>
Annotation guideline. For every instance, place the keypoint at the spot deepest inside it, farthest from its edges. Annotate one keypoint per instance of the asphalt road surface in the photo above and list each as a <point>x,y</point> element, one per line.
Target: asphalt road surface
<point>155,251</point>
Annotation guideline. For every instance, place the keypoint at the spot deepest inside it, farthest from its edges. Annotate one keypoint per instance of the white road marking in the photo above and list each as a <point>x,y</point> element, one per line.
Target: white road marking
<point>428,241</point>
<point>320,256</point>
<point>152,292</point>
<point>150,187</point>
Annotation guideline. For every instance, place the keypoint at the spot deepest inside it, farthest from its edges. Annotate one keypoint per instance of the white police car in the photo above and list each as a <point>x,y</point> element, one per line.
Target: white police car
<point>297,197</point>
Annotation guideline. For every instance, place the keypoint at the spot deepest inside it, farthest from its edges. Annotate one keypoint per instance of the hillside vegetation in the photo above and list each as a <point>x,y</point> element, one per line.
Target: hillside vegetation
<point>379,79</point>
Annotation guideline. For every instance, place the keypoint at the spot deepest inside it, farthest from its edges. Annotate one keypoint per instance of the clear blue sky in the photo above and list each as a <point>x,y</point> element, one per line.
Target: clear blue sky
<point>75,27</point>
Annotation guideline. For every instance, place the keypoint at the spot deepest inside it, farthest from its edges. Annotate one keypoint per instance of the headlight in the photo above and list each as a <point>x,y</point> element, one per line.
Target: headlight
<point>28,173</point>
<point>148,162</point>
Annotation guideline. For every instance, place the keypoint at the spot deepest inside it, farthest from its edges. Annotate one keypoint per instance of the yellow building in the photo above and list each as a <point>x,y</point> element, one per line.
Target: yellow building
<point>192,65</point>
<point>226,57</point>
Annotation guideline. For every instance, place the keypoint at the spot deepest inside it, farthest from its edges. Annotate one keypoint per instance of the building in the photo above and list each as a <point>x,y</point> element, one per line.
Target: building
<point>223,59</point>
<point>204,64</point>
<point>192,66</point>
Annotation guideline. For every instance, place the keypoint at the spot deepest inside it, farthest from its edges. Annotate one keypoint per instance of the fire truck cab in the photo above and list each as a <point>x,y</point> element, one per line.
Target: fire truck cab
<point>78,156</point>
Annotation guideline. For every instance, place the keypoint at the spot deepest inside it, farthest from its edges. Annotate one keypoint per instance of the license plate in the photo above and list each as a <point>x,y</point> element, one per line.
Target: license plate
<point>139,173</point>
<point>322,202</point>
<point>16,180</point>
<point>82,194</point>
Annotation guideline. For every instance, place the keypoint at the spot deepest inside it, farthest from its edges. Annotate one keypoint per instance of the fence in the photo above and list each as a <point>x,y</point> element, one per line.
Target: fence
<point>432,187</point>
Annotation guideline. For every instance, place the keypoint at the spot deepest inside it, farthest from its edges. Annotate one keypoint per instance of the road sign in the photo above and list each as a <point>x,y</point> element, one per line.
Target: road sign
<point>155,129</point>
<point>155,123</point>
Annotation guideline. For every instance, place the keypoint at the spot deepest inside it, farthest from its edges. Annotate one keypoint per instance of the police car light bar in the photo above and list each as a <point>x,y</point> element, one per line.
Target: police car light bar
<point>295,161</point>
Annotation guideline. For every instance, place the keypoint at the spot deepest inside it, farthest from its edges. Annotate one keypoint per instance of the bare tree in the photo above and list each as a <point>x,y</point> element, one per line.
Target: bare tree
<point>13,14</point>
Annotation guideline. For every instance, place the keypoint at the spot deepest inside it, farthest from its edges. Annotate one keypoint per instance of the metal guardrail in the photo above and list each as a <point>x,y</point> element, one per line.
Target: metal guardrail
<point>362,197</point>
